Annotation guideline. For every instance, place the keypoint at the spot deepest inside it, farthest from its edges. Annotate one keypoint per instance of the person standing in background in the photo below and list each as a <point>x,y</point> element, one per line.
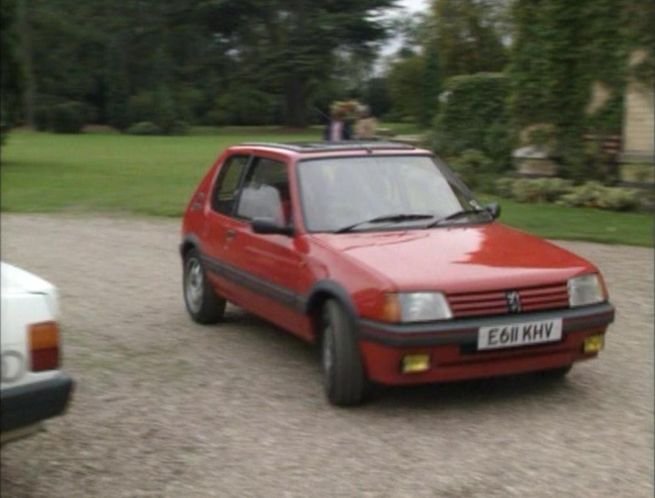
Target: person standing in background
<point>338,128</point>
<point>366,124</point>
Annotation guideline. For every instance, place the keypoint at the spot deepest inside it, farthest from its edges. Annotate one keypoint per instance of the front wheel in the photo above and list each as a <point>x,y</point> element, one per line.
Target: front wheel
<point>343,373</point>
<point>201,301</point>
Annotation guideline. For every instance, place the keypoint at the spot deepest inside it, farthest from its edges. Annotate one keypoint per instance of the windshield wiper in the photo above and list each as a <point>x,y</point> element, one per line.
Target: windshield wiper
<point>457,214</point>
<point>390,218</point>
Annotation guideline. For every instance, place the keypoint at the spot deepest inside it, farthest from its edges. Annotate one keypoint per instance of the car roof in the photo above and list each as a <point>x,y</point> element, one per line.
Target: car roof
<point>349,147</point>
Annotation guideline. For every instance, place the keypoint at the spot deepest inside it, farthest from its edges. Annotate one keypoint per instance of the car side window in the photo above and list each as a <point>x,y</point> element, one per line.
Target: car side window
<point>227,185</point>
<point>265,192</point>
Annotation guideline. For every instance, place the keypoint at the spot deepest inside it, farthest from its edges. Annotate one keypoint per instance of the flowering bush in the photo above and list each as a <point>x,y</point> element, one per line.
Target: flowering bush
<point>346,109</point>
<point>540,190</point>
<point>594,194</point>
<point>590,194</point>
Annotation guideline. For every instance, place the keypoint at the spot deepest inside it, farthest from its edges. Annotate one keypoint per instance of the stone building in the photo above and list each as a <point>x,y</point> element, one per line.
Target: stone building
<point>638,156</point>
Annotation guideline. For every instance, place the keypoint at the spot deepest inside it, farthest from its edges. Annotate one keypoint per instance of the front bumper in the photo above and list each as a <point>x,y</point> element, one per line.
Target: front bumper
<point>452,346</point>
<point>28,404</point>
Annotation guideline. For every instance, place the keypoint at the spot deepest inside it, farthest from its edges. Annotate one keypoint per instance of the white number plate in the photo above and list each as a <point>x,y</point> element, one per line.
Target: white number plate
<point>519,334</point>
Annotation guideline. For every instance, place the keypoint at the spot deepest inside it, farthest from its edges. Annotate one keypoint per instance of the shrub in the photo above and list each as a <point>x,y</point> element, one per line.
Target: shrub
<point>524,190</point>
<point>465,173</point>
<point>156,107</point>
<point>4,131</point>
<point>166,116</point>
<point>595,195</point>
<point>43,118</point>
<point>473,115</point>
<point>179,128</point>
<point>245,106</point>
<point>190,104</point>
<point>556,187</point>
<point>68,117</point>
<point>551,189</point>
<point>497,145</point>
<point>533,190</point>
<point>619,199</point>
<point>638,173</point>
<point>591,194</point>
<point>144,128</point>
<point>584,195</point>
<point>5,124</point>
<point>141,107</point>
<point>485,183</point>
<point>470,165</point>
<point>503,187</point>
<point>43,107</point>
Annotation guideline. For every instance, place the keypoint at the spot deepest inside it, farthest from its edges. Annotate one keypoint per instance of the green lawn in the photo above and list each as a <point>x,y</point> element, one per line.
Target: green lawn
<point>403,128</point>
<point>595,225</point>
<point>113,172</point>
<point>104,172</point>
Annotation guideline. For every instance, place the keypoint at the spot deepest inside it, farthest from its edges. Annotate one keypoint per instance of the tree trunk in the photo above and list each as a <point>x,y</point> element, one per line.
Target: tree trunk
<point>28,67</point>
<point>296,103</point>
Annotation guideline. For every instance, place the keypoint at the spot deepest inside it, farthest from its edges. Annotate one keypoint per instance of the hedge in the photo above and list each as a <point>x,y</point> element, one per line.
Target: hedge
<point>473,116</point>
<point>589,194</point>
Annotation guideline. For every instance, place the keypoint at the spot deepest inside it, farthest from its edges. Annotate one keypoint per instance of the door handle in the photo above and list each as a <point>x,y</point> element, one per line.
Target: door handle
<point>230,233</point>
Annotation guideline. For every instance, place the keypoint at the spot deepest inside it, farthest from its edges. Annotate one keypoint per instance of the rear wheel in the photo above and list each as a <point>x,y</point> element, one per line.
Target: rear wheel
<point>343,373</point>
<point>201,301</point>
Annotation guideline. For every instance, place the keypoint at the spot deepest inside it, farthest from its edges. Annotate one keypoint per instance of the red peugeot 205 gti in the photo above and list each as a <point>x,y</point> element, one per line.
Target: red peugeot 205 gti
<point>379,254</point>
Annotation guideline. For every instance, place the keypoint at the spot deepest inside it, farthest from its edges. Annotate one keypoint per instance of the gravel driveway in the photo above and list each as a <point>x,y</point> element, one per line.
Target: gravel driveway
<point>165,407</point>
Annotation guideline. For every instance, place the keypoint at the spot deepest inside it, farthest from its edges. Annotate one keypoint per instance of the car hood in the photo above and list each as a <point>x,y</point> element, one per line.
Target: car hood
<point>459,258</point>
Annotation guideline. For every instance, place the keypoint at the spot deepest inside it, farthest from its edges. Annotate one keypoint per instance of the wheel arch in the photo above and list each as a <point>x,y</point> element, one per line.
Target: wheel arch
<point>321,292</point>
<point>189,242</point>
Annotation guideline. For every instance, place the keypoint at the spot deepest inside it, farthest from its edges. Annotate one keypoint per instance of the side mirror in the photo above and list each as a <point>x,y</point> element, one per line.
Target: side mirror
<point>494,209</point>
<point>267,226</point>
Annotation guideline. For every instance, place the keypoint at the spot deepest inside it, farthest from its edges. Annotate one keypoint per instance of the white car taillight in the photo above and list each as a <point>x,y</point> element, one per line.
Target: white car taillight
<point>44,345</point>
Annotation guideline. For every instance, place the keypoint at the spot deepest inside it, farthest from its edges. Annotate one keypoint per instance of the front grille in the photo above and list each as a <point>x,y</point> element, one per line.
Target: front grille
<point>544,298</point>
<point>490,303</point>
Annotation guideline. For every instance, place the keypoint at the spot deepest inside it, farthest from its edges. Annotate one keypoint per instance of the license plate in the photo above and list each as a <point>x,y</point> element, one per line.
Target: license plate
<point>519,334</point>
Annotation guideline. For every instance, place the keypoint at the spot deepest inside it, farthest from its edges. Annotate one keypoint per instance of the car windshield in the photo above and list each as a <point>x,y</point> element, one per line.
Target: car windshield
<point>353,193</point>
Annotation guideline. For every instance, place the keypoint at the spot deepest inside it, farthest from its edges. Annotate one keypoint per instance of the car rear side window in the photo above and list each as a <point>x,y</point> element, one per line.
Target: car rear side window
<point>265,192</point>
<point>227,185</point>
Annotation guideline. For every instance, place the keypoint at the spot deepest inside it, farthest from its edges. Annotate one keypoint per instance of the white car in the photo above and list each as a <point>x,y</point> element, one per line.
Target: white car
<point>33,388</point>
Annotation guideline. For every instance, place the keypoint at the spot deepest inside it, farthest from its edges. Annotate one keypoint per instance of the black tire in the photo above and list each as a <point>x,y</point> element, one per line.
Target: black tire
<point>556,373</point>
<point>201,301</point>
<point>343,373</point>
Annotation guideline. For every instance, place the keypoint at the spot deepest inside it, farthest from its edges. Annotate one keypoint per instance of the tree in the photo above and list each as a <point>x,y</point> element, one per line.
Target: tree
<point>287,54</point>
<point>431,86</point>
<point>467,40</point>
<point>560,49</point>
<point>637,21</point>
<point>68,41</point>
<point>11,76</point>
<point>405,79</point>
<point>377,96</point>
<point>290,46</point>
<point>474,117</point>
<point>117,83</point>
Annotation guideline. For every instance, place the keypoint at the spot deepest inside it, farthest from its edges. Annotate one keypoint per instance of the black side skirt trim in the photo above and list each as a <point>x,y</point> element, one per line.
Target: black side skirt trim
<point>282,295</point>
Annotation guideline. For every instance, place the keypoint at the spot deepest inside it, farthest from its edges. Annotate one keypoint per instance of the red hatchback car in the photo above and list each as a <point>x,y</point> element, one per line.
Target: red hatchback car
<point>379,254</point>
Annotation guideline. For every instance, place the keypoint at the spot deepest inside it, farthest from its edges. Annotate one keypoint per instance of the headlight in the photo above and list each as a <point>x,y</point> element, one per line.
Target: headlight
<point>584,290</point>
<point>417,307</point>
